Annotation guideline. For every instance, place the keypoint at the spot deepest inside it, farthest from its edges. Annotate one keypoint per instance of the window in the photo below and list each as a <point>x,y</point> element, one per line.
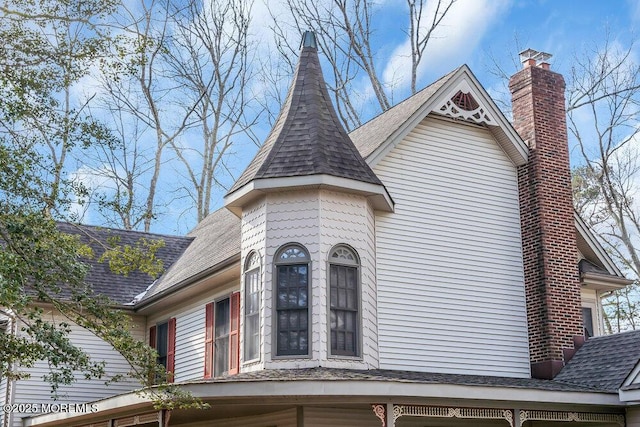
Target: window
<point>162,337</point>
<point>292,301</point>
<point>343,301</point>
<point>587,321</point>
<point>222,337</point>
<point>252,307</point>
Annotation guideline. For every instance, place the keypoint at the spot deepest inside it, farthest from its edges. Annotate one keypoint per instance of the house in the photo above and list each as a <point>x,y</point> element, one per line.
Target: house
<point>426,269</point>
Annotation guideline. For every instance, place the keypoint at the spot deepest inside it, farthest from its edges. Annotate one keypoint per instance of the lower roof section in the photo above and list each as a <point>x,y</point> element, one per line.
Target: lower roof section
<point>325,385</point>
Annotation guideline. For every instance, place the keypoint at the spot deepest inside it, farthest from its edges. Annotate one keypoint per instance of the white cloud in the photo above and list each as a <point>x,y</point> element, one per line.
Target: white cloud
<point>457,37</point>
<point>90,179</point>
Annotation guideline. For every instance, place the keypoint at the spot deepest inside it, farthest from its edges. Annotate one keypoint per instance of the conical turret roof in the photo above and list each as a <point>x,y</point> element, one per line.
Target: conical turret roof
<point>307,138</point>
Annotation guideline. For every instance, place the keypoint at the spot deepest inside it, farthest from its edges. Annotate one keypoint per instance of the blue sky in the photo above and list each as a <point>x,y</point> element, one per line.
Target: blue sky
<point>476,32</point>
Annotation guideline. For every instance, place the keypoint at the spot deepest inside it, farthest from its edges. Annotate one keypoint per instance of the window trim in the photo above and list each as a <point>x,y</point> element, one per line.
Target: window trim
<point>274,292</point>
<point>251,268</point>
<point>170,364</point>
<point>215,338</point>
<point>210,343</point>
<point>359,321</point>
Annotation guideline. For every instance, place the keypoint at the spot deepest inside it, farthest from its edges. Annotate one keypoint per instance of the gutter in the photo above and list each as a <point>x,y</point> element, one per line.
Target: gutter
<point>187,282</point>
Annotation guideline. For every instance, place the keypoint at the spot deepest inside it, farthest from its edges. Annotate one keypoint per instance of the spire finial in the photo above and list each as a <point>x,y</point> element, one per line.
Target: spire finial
<point>309,39</point>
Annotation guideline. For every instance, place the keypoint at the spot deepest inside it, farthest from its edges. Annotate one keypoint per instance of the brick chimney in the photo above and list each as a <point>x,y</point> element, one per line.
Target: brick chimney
<point>550,253</point>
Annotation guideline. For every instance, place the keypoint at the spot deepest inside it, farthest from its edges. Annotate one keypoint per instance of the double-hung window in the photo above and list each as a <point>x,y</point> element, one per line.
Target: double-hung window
<point>344,302</point>
<point>252,307</point>
<point>292,301</point>
<point>162,337</point>
<point>222,337</point>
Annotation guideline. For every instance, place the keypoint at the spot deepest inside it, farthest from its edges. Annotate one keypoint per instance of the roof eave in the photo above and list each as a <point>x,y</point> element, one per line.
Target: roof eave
<point>602,282</point>
<point>596,248</point>
<point>218,268</point>
<point>376,193</point>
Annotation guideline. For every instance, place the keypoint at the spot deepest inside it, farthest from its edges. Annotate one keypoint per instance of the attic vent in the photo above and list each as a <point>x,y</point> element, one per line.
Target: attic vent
<point>464,106</point>
<point>465,101</point>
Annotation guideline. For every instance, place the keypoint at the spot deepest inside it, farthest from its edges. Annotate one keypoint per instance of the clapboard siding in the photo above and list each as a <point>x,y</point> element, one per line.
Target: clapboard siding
<point>190,345</point>
<point>330,417</point>
<point>449,259</point>
<point>287,418</point>
<point>36,390</point>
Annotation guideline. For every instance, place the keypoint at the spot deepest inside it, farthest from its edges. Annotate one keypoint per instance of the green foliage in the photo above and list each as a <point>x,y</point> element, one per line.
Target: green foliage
<point>48,46</point>
<point>142,255</point>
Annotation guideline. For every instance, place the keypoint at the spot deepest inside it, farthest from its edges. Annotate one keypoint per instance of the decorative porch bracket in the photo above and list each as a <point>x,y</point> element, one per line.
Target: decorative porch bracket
<point>585,417</point>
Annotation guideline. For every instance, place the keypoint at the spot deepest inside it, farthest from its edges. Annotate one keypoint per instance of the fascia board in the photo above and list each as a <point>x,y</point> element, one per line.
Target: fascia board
<point>630,396</point>
<point>604,283</point>
<point>635,373</point>
<point>377,194</point>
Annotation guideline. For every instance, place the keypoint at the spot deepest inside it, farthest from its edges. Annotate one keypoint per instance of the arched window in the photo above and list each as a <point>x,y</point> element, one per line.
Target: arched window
<point>252,289</point>
<point>344,306</point>
<point>292,301</point>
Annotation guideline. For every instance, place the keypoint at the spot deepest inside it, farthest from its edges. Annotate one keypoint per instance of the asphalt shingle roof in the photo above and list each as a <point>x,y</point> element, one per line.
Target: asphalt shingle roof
<point>215,240</point>
<point>121,289</point>
<point>307,138</point>
<point>368,137</point>
<point>334,374</point>
<point>603,362</point>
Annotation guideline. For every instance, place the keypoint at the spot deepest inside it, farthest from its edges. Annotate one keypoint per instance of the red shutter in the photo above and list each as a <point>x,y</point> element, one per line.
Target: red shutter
<point>234,335</point>
<point>208,340</point>
<point>152,336</point>
<point>171,350</point>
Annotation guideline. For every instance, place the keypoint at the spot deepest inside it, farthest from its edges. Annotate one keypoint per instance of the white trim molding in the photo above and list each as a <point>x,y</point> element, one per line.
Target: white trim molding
<point>449,107</point>
<point>376,194</point>
<point>449,412</point>
<point>585,417</point>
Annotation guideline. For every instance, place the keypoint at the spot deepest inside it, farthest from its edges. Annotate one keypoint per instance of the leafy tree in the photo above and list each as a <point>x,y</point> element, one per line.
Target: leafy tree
<point>603,106</point>
<point>48,46</point>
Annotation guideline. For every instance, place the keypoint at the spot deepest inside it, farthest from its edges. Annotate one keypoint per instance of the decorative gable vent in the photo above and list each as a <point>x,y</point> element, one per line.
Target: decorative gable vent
<point>461,104</point>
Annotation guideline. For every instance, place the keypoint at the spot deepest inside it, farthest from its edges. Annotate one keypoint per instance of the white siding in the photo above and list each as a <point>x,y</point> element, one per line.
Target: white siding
<point>253,239</point>
<point>348,219</point>
<point>4,383</point>
<point>35,390</point>
<point>190,328</point>
<point>450,278</point>
<point>329,417</point>
<point>319,220</point>
<point>286,418</point>
<point>291,217</point>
